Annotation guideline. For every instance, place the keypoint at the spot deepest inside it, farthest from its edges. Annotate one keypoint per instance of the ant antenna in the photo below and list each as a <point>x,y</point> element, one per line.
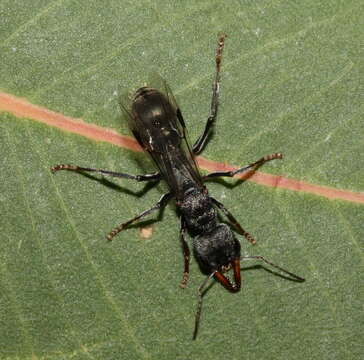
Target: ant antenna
<point>199,305</point>
<point>298,278</point>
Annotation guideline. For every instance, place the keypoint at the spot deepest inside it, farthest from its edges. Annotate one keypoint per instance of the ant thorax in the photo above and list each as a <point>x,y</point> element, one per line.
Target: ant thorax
<point>198,211</point>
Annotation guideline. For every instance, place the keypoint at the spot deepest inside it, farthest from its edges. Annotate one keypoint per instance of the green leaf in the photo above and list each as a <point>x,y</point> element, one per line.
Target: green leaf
<point>291,82</point>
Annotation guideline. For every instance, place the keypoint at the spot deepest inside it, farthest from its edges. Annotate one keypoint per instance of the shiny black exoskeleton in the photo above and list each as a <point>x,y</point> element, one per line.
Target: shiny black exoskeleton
<point>157,124</point>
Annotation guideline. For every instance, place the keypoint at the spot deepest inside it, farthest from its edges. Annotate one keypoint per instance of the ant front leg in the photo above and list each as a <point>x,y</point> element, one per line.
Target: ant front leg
<point>147,177</point>
<point>233,221</point>
<point>186,254</point>
<point>250,167</point>
<point>201,141</point>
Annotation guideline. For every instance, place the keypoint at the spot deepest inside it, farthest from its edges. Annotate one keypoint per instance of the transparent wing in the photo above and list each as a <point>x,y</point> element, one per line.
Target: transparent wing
<point>157,123</point>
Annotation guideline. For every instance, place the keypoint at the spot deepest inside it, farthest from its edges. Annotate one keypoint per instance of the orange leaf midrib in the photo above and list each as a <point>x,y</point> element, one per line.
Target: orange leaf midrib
<point>21,108</point>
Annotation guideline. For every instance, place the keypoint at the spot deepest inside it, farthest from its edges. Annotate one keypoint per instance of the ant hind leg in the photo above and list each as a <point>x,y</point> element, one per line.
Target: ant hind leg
<point>201,141</point>
<point>147,177</point>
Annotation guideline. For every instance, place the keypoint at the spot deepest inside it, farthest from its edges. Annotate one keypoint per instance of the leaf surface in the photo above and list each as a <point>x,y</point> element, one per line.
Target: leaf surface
<point>291,82</point>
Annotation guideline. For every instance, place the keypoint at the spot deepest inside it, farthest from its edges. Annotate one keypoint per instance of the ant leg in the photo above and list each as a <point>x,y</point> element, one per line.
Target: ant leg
<point>233,220</point>
<point>186,255</point>
<point>146,177</point>
<point>161,203</point>
<point>251,167</point>
<point>298,278</point>
<point>201,141</point>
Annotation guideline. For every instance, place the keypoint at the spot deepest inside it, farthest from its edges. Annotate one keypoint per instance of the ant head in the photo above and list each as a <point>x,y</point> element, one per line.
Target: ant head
<point>217,249</point>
